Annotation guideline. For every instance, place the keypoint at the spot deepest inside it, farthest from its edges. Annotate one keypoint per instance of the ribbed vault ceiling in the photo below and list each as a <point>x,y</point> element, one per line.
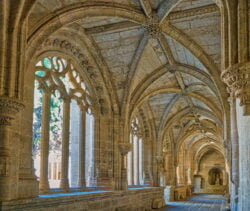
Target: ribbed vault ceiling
<point>172,76</point>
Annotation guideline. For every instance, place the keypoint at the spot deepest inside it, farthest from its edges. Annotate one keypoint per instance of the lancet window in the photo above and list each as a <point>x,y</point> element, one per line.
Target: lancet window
<point>63,126</point>
<point>135,156</point>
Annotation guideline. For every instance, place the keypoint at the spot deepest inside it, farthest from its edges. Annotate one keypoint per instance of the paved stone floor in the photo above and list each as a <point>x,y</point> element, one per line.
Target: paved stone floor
<point>200,202</point>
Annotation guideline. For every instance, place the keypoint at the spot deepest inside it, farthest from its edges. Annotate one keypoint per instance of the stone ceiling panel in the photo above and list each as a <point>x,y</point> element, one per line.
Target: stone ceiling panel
<point>204,91</point>
<point>155,3</point>
<point>167,80</point>
<point>118,50</point>
<point>179,105</point>
<point>151,59</point>
<point>89,22</point>
<point>204,29</point>
<point>183,55</point>
<point>42,8</point>
<point>189,80</point>
<point>199,103</point>
<point>189,4</point>
<point>158,105</point>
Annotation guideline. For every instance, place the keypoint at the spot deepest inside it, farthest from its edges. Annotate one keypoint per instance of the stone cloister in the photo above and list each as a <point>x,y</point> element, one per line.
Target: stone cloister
<point>123,104</point>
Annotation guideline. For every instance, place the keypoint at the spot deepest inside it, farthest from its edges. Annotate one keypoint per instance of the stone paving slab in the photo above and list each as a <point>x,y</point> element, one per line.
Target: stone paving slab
<point>202,202</point>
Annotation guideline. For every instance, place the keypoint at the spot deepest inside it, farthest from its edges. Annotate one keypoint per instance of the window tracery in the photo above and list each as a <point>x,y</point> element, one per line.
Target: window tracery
<point>63,125</point>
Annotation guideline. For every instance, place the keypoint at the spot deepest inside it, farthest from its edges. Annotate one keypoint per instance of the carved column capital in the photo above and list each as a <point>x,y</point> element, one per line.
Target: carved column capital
<point>124,148</point>
<point>8,109</point>
<point>237,78</point>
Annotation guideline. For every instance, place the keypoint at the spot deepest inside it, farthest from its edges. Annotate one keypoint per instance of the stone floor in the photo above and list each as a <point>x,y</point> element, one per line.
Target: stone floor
<point>200,202</point>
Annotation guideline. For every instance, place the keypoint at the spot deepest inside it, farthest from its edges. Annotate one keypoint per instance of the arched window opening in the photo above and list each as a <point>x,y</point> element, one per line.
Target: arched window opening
<point>89,159</point>
<point>55,140</point>
<point>75,141</point>
<point>37,126</point>
<point>63,126</point>
<point>135,157</point>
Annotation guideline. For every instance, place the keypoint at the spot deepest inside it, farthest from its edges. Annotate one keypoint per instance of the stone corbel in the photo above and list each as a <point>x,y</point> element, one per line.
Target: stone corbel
<point>8,109</point>
<point>124,148</point>
<point>237,78</point>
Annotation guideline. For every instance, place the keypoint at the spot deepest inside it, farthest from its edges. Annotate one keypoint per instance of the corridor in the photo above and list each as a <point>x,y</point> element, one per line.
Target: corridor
<point>200,202</point>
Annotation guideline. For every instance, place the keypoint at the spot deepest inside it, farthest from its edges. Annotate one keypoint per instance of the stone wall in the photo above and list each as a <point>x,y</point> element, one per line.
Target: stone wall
<point>212,160</point>
<point>133,199</point>
<point>176,193</point>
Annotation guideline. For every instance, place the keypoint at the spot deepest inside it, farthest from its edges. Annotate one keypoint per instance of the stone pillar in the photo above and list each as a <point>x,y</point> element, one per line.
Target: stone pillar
<point>160,171</point>
<point>244,158</point>
<point>236,74</point>
<point>147,163</point>
<point>235,154</point>
<point>82,179</point>
<point>104,156</point>
<point>64,184</point>
<point>132,161</point>
<point>8,163</point>
<point>124,148</point>
<point>237,79</point>
<point>137,161</point>
<point>44,183</point>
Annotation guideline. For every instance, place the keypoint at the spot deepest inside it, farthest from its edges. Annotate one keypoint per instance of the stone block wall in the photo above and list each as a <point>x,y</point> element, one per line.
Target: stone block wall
<point>135,199</point>
<point>176,193</point>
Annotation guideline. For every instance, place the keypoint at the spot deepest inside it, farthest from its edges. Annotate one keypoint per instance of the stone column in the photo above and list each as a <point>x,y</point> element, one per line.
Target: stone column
<point>237,79</point>
<point>124,148</point>
<point>146,162</point>
<point>132,161</point>
<point>82,180</point>
<point>137,161</point>
<point>160,171</point>
<point>8,171</point>
<point>236,74</point>
<point>244,158</point>
<point>44,183</point>
<point>64,183</point>
<point>235,153</point>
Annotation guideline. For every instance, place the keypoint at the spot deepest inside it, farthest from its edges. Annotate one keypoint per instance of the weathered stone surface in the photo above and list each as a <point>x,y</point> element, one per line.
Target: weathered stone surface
<point>91,201</point>
<point>163,63</point>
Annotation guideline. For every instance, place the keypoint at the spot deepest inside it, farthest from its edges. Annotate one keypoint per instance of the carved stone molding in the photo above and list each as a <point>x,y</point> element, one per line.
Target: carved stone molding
<point>125,147</point>
<point>237,79</point>
<point>193,12</point>
<point>8,109</point>
<point>153,28</point>
<point>83,60</point>
<point>64,44</point>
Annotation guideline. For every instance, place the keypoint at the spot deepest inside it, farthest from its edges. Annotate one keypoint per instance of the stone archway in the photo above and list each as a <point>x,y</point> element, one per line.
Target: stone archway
<point>215,176</point>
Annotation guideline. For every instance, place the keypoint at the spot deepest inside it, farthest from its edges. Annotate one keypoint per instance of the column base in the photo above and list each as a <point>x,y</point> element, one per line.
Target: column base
<point>64,185</point>
<point>44,188</point>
